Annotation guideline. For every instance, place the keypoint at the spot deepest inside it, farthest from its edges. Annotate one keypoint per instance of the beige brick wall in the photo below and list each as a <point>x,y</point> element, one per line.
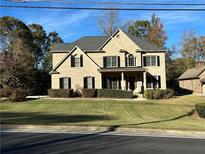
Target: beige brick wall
<point>77,74</point>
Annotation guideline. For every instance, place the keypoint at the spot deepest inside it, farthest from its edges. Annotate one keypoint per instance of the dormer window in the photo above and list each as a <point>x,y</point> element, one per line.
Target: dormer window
<point>130,60</point>
<point>77,61</point>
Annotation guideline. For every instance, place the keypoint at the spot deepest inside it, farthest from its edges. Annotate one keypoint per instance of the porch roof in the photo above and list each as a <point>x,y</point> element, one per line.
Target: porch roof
<point>123,69</point>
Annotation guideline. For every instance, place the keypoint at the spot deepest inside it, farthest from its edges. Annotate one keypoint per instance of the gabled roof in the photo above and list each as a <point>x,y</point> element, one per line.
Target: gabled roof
<point>144,44</point>
<point>53,71</point>
<point>192,73</point>
<point>85,43</point>
<point>91,43</point>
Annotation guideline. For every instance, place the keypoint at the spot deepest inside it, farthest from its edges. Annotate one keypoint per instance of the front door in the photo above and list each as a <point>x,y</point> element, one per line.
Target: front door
<point>131,83</point>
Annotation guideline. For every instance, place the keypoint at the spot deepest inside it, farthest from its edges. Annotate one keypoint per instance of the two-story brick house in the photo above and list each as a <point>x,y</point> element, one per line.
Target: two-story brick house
<point>121,61</point>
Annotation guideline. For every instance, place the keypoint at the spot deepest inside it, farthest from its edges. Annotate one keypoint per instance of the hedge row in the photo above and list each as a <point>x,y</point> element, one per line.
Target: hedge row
<point>200,108</point>
<point>14,94</point>
<point>111,93</point>
<point>86,93</point>
<point>159,94</point>
<point>65,93</point>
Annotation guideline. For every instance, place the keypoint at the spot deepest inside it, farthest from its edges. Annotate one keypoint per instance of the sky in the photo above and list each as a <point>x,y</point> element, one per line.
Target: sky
<point>73,24</point>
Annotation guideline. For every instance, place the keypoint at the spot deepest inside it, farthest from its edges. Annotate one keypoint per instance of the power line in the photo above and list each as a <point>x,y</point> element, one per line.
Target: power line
<point>113,3</point>
<point>102,8</point>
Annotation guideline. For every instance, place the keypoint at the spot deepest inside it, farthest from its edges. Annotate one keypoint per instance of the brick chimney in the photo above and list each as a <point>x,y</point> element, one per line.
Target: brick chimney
<point>199,64</point>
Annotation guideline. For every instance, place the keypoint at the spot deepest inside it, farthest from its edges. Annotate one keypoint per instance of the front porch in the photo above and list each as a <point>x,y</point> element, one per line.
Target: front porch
<point>133,78</point>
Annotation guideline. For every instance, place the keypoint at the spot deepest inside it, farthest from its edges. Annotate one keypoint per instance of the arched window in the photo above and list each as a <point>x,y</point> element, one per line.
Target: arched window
<point>130,60</point>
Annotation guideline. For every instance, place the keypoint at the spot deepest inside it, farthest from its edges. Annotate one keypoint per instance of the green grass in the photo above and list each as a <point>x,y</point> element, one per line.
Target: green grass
<point>177,113</point>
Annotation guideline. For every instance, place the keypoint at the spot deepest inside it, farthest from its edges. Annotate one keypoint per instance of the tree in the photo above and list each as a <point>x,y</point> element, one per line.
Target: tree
<point>193,46</point>
<point>17,53</point>
<point>157,35</point>
<point>109,22</point>
<point>141,28</point>
<point>40,43</point>
<point>52,38</point>
<point>152,30</point>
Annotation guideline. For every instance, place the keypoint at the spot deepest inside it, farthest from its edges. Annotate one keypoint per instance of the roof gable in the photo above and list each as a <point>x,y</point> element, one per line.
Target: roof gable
<point>61,62</point>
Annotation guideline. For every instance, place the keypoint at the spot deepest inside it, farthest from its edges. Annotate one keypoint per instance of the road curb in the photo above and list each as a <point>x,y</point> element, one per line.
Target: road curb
<point>104,130</point>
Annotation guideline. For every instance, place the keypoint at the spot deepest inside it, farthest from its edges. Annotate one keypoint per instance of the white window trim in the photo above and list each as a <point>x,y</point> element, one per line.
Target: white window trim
<point>111,59</point>
<point>150,57</point>
<point>128,60</point>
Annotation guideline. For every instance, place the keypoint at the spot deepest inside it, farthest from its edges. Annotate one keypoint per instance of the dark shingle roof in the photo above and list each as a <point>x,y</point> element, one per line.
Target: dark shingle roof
<point>95,42</point>
<point>192,73</point>
<point>143,43</point>
<point>85,43</point>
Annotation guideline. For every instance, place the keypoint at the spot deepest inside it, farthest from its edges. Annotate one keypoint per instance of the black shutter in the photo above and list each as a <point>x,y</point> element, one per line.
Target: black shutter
<point>104,61</point>
<point>69,83</point>
<point>93,82</point>
<point>159,82</point>
<point>61,83</point>
<point>72,61</point>
<point>85,82</point>
<point>125,60</point>
<point>144,61</point>
<point>158,61</point>
<point>81,60</point>
<point>118,61</point>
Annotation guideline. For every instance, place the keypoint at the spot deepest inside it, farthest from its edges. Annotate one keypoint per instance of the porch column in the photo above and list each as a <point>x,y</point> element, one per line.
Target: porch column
<point>145,80</point>
<point>123,87</point>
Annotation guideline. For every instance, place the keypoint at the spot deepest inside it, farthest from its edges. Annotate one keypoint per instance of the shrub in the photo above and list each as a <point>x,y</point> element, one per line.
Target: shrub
<point>6,92</point>
<point>200,108</point>
<point>18,95</point>
<point>168,93</point>
<point>110,93</point>
<point>65,93</point>
<point>86,93</point>
<point>159,94</point>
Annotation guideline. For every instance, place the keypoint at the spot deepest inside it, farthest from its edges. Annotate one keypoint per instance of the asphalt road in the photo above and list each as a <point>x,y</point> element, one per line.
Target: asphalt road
<point>49,143</point>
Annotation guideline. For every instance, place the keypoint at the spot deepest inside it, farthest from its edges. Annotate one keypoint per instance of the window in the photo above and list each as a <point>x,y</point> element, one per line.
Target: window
<point>111,61</point>
<point>112,83</point>
<point>89,82</point>
<point>130,61</point>
<point>153,82</point>
<point>77,61</point>
<point>65,83</point>
<point>151,61</point>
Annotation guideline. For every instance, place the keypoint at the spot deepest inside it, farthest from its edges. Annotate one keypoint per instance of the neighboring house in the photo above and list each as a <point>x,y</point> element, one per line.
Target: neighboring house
<point>121,61</point>
<point>194,79</point>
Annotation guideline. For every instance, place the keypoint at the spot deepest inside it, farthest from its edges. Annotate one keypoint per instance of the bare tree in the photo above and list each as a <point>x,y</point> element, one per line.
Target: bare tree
<point>109,22</point>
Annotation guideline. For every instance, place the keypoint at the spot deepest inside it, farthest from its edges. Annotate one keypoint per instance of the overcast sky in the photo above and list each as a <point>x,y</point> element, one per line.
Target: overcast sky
<point>72,24</point>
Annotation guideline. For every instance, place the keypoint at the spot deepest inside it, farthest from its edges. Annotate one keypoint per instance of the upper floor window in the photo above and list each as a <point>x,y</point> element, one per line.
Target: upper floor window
<point>89,82</point>
<point>111,61</point>
<point>151,61</point>
<point>77,61</point>
<point>65,83</point>
<point>130,61</point>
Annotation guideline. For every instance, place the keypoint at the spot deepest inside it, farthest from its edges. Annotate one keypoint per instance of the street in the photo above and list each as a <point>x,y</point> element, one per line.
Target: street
<point>53,143</point>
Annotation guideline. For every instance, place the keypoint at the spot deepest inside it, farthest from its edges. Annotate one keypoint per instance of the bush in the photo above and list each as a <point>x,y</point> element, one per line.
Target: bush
<point>18,95</point>
<point>168,93</point>
<point>86,93</point>
<point>159,94</point>
<point>65,93</point>
<point>110,93</point>
<point>6,92</point>
<point>200,108</point>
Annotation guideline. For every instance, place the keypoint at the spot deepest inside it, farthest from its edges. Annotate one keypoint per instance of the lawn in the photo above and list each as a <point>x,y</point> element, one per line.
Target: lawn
<point>176,113</point>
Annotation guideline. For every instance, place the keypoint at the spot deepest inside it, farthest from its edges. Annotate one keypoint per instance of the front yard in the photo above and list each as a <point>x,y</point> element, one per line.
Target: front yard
<point>176,113</point>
